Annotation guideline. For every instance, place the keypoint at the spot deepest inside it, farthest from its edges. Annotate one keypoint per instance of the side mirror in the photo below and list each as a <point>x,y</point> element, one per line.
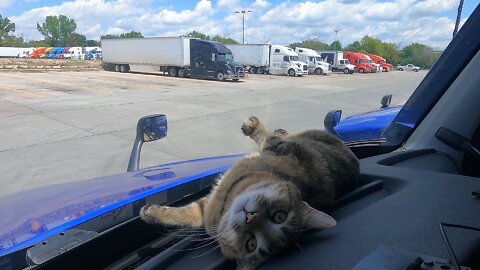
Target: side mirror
<point>331,120</point>
<point>149,128</point>
<point>386,100</point>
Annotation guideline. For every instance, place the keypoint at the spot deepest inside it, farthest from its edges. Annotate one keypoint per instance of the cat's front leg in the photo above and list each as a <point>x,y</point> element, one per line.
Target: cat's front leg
<point>254,129</point>
<point>190,215</point>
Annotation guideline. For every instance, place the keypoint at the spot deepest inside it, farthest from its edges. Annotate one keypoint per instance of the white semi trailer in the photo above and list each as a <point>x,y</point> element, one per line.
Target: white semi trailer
<point>175,56</point>
<point>272,59</point>
<point>314,62</point>
<point>11,52</point>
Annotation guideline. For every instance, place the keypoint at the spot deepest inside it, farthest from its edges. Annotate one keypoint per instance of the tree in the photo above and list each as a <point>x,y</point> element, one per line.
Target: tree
<point>93,43</point>
<point>195,34</point>
<point>131,34</point>
<point>110,36</point>
<point>75,40</point>
<point>336,46</point>
<point>6,26</point>
<point>12,41</point>
<point>57,29</point>
<point>356,46</point>
<point>38,43</point>
<point>224,40</point>
<point>311,44</point>
<point>371,45</point>
<point>420,55</point>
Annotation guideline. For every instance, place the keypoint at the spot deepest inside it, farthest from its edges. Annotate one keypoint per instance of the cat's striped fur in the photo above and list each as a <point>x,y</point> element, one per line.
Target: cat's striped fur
<point>262,203</point>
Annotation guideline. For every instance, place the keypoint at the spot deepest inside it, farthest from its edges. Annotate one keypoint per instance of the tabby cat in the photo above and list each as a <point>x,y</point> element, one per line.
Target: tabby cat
<point>262,203</point>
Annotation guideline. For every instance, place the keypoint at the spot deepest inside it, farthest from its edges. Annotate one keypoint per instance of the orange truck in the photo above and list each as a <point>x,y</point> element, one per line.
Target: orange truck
<point>37,52</point>
<point>359,61</point>
<point>386,67</point>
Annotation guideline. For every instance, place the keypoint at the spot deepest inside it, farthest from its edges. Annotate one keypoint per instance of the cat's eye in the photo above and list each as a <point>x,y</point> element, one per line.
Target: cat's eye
<point>251,244</point>
<point>279,217</point>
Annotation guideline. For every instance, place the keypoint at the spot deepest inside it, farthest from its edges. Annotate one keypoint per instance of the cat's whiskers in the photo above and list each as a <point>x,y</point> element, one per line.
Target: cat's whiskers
<point>203,254</point>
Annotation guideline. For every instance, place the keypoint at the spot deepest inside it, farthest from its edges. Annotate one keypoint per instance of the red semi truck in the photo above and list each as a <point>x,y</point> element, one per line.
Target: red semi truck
<point>359,61</point>
<point>380,60</point>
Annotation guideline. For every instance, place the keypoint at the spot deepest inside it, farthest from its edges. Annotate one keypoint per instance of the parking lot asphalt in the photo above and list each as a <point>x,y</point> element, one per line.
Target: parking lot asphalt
<point>60,127</point>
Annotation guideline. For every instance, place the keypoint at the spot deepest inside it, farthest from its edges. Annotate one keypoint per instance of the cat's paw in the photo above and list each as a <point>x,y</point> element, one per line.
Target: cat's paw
<point>250,125</point>
<point>151,213</point>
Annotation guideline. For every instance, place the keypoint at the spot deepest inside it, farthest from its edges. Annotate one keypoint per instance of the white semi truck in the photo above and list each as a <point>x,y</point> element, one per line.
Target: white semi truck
<point>11,52</point>
<point>271,59</point>
<point>337,62</point>
<point>314,62</point>
<point>175,56</point>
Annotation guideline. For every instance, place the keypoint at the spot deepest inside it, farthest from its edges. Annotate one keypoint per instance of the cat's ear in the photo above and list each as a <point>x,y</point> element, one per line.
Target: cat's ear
<point>312,218</point>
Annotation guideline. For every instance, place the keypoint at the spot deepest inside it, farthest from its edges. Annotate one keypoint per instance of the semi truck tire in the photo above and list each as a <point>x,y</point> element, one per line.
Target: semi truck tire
<point>291,72</point>
<point>181,73</point>
<point>346,71</point>
<point>318,71</point>
<point>124,68</point>
<point>220,76</point>
<point>117,68</point>
<point>260,70</point>
<point>172,72</point>
<point>253,70</point>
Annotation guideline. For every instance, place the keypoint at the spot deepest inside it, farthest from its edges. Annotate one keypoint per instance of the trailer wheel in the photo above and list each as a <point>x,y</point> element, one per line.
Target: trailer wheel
<point>360,70</point>
<point>252,70</point>
<point>260,70</point>
<point>318,71</point>
<point>117,68</point>
<point>346,71</point>
<point>172,72</point>
<point>124,68</point>
<point>220,76</point>
<point>181,73</point>
<point>291,72</point>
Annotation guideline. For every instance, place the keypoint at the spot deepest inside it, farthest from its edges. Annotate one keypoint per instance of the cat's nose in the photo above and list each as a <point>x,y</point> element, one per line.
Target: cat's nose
<point>250,216</point>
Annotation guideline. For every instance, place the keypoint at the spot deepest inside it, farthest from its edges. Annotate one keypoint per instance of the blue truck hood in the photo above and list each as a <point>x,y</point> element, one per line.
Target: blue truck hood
<point>33,215</point>
<point>366,126</point>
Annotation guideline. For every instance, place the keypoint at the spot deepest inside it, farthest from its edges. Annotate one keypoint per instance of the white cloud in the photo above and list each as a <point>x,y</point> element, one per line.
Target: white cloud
<point>5,3</point>
<point>398,21</point>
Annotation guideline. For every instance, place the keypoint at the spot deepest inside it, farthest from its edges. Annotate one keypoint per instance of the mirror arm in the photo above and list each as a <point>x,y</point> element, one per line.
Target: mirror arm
<point>134,162</point>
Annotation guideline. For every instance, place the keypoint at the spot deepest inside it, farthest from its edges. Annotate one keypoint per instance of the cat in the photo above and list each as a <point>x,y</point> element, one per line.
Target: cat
<point>262,203</point>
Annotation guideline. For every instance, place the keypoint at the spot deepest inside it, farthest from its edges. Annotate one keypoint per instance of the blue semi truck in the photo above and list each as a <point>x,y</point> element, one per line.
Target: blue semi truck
<point>174,56</point>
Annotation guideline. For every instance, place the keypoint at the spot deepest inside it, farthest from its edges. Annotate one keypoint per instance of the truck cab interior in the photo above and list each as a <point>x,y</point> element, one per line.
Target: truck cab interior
<point>418,206</point>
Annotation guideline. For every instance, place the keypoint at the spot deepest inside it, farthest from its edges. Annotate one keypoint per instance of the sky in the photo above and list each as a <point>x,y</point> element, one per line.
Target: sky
<point>271,21</point>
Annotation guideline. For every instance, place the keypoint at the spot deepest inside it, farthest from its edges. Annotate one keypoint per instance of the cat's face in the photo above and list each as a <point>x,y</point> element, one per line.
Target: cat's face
<point>264,219</point>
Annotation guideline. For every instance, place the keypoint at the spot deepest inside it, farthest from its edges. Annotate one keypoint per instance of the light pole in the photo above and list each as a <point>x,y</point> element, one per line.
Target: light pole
<point>336,32</point>
<point>243,12</point>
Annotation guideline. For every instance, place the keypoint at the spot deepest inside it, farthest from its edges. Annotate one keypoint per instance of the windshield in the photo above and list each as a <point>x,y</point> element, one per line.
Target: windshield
<point>225,57</point>
<point>69,120</point>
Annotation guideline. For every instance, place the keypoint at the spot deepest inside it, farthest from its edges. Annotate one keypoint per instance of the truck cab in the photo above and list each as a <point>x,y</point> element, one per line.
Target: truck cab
<point>337,61</point>
<point>386,67</point>
<point>211,59</point>
<point>314,61</point>
<point>359,61</point>
<point>375,67</point>
<point>284,60</point>
<point>36,53</point>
